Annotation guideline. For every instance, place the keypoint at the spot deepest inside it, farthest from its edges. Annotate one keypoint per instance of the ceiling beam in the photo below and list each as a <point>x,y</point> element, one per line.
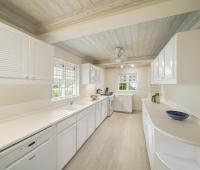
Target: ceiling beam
<point>127,17</point>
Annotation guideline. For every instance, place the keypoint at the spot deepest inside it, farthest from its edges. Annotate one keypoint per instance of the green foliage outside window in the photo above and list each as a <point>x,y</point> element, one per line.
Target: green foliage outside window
<point>127,82</point>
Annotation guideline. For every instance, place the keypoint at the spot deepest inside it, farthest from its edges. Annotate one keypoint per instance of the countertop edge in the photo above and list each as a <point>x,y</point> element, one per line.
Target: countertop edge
<point>10,144</point>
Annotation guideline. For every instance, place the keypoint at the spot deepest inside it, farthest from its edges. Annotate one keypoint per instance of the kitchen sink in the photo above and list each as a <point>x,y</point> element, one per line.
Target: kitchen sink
<point>72,107</point>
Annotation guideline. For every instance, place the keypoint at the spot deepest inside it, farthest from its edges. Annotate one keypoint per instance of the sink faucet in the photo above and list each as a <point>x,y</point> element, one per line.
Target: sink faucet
<point>71,102</point>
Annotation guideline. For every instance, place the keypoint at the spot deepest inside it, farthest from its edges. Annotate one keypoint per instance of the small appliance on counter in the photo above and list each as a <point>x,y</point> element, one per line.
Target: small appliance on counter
<point>110,99</point>
<point>107,92</point>
<point>156,98</point>
<point>99,91</point>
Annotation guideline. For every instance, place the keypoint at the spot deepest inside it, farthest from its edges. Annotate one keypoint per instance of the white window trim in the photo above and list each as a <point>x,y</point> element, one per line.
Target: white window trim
<point>60,61</point>
<point>119,82</point>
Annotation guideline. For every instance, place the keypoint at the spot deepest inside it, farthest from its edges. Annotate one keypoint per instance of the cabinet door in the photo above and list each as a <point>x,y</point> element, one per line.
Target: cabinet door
<point>66,146</point>
<point>100,76</point>
<point>43,157</point>
<point>98,114</point>
<point>104,109</point>
<point>161,60</point>
<point>152,73</point>
<point>170,60</point>
<point>82,131</point>
<point>126,103</point>
<point>14,48</point>
<point>117,103</point>
<point>91,120</point>
<point>93,74</point>
<point>41,60</point>
<point>156,70</point>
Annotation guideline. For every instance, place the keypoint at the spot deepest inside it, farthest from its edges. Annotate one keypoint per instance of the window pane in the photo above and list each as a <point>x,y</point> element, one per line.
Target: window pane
<point>127,82</point>
<point>64,79</point>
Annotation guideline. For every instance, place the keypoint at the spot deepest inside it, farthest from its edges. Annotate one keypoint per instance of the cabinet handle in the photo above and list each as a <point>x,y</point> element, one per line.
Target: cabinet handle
<point>32,143</point>
<point>32,157</point>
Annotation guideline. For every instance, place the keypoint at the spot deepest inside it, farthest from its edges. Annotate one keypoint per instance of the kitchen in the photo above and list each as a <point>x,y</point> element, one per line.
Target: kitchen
<point>91,84</point>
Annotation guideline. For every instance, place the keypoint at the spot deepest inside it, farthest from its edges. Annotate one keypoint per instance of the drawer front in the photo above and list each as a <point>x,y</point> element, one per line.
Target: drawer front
<point>66,123</point>
<point>83,113</point>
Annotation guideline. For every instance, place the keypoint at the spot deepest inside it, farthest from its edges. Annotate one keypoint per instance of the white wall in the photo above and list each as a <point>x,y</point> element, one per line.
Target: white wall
<point>183,96</point>
<point>143,83</point>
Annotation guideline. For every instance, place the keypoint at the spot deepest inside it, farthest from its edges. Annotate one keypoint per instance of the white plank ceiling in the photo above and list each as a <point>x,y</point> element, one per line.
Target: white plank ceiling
<point>142,40</point>
<point>41,15</point>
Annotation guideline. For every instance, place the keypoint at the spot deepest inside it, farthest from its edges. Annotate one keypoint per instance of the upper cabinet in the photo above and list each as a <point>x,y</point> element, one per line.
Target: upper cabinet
<point>92,74</point>
<point>13,53</point>
<point>178,60</point>
<point>41,60</point>
<point>24,57</point>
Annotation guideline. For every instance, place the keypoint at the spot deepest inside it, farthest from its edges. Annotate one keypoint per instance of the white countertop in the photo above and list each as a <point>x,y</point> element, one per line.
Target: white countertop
<point>15,130</point>
<point>187,131</point>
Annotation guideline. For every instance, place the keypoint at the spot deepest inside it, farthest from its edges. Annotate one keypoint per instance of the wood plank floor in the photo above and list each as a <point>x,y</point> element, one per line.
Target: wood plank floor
<point>118,144</point>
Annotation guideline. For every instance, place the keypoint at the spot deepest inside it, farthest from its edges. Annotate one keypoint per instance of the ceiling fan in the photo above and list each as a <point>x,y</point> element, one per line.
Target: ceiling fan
<point>119,56</point>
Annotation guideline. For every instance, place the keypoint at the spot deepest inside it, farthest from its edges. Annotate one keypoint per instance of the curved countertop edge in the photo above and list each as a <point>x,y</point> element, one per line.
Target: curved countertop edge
<point>62,115</point>
<point>161,130</point>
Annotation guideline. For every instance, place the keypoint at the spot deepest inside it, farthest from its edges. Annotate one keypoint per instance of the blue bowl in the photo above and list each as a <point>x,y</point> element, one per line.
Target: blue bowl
<point>177,115</point>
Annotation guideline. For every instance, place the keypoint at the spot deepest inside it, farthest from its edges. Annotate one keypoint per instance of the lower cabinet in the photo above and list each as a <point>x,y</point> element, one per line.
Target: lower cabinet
<point>98,114</point>
<point>66,146</point>
<point>81,131</point>
<point>123,102</point>
<point>91,120</point>
<point>104,109</point>
<point>149,136</point>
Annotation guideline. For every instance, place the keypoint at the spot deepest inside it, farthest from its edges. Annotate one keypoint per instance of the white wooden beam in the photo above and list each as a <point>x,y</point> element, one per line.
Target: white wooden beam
<point>127,17</point>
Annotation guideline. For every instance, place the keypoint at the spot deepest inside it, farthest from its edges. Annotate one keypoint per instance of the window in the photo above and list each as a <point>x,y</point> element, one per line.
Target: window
<point>65,80</point>
<point>127,82</point>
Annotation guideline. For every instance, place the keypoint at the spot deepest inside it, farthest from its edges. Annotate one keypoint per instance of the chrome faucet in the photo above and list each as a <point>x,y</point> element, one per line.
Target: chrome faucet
<point>71,102</point>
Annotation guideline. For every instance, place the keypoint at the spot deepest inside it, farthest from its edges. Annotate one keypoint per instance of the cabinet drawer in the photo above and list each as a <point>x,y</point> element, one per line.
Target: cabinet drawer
<point>83,113</point>
<point>66,123</point>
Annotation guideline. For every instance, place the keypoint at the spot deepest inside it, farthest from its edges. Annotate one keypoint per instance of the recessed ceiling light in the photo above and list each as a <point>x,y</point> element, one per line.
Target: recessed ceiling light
<point>121,66</point>
<point>132,65</point>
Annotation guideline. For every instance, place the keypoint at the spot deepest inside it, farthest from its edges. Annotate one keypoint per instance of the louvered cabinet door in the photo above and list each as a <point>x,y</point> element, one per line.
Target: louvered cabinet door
<point>41,60</point>
<point>14,48</point>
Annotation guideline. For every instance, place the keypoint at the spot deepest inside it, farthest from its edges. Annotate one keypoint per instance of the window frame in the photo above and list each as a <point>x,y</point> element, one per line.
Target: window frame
<point>126,82</point>
<point>65,78</point>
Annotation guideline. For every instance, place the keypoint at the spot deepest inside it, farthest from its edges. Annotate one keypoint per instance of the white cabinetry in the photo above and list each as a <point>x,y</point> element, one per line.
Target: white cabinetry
<point>82,129</point>
<point>91,120</point>
<point>14,51</point>
<point>123,102</point>
<point>100,76</point>
<point>170,145</point>
<point>161,63</point>
<point>92,74</point>
<point>24,57</point>
<point>37,152</point>
<point>149,136</point>
<point>89,74</point>
<point>170,61</point>
<point>98,113</point>
<point>41,60</point>
<point>104,110</point>
<point>66,141</point>
<point>178,60</point>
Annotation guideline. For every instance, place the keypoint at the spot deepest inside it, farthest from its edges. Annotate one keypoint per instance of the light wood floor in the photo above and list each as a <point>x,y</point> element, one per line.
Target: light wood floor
<point>118,144</point>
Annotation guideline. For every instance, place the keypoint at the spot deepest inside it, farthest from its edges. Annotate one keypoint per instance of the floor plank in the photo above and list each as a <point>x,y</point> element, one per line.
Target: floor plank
<point>118,144</point>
